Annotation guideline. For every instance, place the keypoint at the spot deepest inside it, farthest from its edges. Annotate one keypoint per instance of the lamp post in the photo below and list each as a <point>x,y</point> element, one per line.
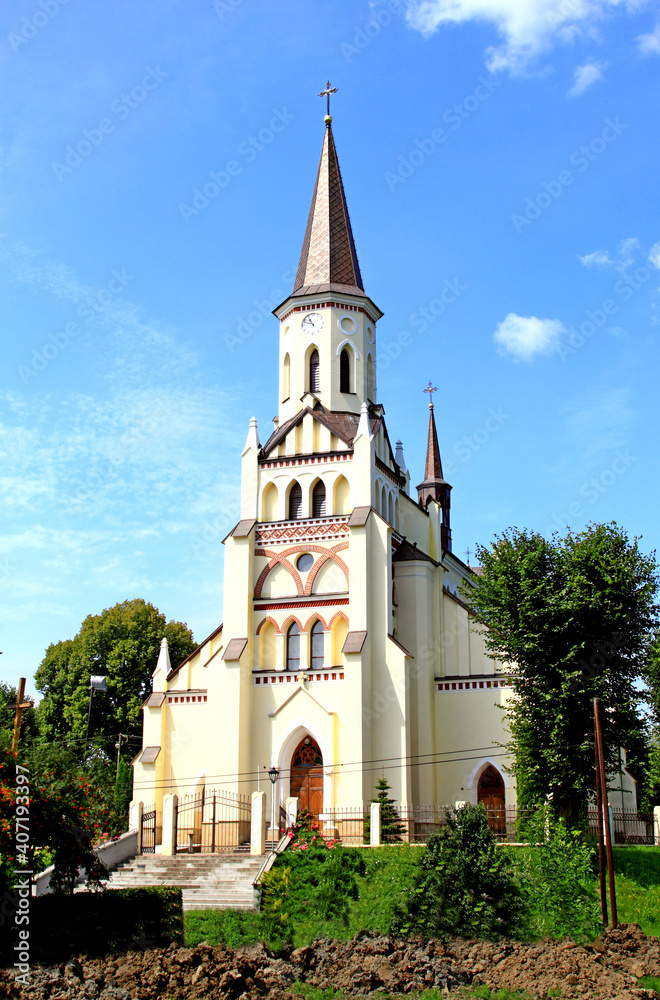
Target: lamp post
<point>97,682</point>
<point>273,774</point>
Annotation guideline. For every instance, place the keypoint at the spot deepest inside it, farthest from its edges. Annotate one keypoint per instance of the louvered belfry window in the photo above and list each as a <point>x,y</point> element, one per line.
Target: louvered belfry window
<point>293,648</point>
<point>295,502</point>
<point>314,372</point>
<point>344,371</point>
<point>318,500</point>
<point>317,646</point>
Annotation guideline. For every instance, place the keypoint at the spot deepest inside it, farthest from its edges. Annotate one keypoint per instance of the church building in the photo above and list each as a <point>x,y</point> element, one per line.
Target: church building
<point>347,650</point>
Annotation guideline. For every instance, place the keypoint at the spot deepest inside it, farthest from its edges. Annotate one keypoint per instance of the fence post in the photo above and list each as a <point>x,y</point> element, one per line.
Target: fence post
<point>135,821</point>
<point>258,823</point>
<point>169,824</point>
<point>292,807</point>
<point>374,824</point>
<point>656,826</point>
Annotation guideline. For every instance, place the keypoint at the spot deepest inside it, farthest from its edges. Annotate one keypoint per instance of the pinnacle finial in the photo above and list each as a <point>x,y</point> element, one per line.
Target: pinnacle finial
<point>431,389</point>
<point>326,93</point>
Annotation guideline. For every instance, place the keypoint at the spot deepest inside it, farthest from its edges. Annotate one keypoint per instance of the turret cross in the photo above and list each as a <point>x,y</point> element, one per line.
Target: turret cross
<point>326,93</point>
<point>431,389</point>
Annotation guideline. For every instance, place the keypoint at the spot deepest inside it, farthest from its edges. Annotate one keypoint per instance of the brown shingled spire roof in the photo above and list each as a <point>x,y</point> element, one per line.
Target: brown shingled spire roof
<point>328,261</point>
<point>435,487</point>
<point>433,470</point>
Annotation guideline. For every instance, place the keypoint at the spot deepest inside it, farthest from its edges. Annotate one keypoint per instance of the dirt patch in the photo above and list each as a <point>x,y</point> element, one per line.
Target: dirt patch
<point>606,970</point>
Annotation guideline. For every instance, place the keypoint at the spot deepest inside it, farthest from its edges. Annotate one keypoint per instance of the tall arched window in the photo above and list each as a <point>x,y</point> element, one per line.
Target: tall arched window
<point>344,371</point>
<point>295,502</point>
<point>318,500</point>
<point>293,648</point>
<point>314,372</point>
<point>286,378</point>
<point>371,379</point>
<point>317,637</point>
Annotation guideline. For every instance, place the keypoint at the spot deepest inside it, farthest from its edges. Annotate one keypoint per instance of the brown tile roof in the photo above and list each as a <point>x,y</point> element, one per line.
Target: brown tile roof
<point>342,425</point>
<point>328,261</point>
<point>234,649</point>
<point>359,517</point>
<point>174,671</point>
<point>354,642</point>
<point>410,553</point>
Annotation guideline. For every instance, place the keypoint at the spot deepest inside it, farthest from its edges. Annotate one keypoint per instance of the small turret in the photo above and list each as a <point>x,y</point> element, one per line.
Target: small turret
<point>434,486</point>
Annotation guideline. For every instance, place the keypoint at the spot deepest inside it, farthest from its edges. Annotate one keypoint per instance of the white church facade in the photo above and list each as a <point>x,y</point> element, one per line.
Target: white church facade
<point>347,649</point>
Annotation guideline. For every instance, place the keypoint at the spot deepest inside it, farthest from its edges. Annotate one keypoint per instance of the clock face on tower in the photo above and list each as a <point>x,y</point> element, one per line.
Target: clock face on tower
<point>312,323</point>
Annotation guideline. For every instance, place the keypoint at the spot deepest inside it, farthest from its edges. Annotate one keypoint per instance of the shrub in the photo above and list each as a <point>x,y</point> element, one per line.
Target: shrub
<point>466,883</point>
<point>557,877</point>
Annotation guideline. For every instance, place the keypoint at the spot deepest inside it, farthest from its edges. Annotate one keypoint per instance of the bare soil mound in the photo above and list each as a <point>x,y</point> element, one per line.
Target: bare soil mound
<point>608,969</point>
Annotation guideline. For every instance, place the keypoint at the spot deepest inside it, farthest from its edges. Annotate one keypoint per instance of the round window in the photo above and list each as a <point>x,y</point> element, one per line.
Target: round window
<point>305,562</point>
<point>370,335</point>
<point>348,324</point>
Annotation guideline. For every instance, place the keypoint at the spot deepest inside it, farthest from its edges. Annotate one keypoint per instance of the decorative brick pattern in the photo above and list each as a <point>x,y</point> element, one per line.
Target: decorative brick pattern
<point>471,685</point>
<point>314,529</point>
<point>283,558</point>
<point>282,678</point>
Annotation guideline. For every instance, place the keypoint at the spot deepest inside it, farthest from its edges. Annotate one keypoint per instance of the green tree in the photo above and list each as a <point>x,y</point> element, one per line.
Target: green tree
<point>575,617</point>
<point>121,643</point>
<point>391,829</point>
<point>466,883</point>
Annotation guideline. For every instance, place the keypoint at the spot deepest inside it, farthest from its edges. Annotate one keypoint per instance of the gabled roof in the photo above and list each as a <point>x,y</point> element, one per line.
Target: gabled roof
<point>342,425</point>
<point>328,261</point>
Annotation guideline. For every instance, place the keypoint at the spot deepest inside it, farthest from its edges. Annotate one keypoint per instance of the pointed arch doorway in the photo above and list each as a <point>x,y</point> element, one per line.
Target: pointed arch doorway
<point>490,792</point>
<point>307,776</point>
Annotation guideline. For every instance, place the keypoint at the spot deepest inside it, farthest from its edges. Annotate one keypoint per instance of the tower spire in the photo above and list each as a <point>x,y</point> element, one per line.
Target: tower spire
<point>328,261</point>
<point>435,487</point>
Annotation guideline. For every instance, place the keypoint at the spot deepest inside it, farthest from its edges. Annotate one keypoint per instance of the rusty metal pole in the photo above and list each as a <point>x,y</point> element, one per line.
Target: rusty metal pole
<point>601,838</point>
<point>608,832</point>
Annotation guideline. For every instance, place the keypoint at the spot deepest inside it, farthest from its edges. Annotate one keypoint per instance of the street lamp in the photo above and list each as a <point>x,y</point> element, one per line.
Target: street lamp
<point>273,774</point>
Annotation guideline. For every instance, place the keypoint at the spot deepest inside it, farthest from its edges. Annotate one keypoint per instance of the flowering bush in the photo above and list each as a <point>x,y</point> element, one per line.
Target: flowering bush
<point>306,833</point>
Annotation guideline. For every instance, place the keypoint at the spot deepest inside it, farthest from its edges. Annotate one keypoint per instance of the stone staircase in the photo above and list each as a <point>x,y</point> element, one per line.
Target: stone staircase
<point>207,881</point>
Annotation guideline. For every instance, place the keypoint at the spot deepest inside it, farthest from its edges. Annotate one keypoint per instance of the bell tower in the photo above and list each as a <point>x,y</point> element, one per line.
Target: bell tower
<point>328,323</point>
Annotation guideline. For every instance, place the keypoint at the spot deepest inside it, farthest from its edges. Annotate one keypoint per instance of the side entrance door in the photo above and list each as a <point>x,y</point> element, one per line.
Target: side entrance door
<point>307,776</point>
<point>490,793</point>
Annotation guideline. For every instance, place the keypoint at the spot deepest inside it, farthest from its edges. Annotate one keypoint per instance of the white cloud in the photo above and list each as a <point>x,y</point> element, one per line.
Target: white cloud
<point>585,76</point>
<point>654,255</point>
<point>649,45</point>
<point>523,337</point>
<point>600,258</point>
<point>528,27</point>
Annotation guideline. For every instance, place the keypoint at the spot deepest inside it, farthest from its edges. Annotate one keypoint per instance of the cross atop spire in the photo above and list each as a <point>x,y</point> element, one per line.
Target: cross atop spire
<point>431,389</point>
<point>326,93</point>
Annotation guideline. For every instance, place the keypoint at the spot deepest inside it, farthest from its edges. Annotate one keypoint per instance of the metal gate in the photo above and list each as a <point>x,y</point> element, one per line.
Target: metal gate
<point>148,832</point>
<point>212,822</point>
<point>629,826</point>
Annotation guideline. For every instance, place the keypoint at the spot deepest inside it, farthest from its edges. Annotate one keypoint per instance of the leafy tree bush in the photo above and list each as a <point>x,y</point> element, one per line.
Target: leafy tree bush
<point>558,881</point>
<point>466,883</point>
<point>121,643</point>
<point>577,616</point>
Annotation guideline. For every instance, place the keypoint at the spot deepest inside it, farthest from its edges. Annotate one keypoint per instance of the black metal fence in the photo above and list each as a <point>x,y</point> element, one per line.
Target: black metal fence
<point>148,830</point>
<point>629,826</point>
<point>212,822</point>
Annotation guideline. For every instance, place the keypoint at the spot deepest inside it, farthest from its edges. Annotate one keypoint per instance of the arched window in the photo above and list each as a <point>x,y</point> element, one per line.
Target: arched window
<point>344,371</point>
<point>286,378</point>
<point>314,372</point>
<point>295,502</point>
<point>293,648</point>
<point>371,379</point>
<point>318,500</point>
<point>317,639</point>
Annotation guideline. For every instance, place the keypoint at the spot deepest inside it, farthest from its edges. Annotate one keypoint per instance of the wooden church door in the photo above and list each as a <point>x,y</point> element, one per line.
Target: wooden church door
<point>490,792</point>
<point>307,776</point>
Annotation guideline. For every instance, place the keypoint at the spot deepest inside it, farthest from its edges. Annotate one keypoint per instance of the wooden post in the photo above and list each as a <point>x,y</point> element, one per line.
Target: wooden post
<point>18,712</point>
<point>608,832</point>
<point>601,838</point>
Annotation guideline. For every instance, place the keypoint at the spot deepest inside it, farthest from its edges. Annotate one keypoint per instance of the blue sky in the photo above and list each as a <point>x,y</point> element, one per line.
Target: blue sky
<point>499,159</point>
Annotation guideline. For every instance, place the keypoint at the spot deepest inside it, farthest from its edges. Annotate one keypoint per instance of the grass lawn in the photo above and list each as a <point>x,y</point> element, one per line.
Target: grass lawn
<point>466,993</point>
<point>383,886</point>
